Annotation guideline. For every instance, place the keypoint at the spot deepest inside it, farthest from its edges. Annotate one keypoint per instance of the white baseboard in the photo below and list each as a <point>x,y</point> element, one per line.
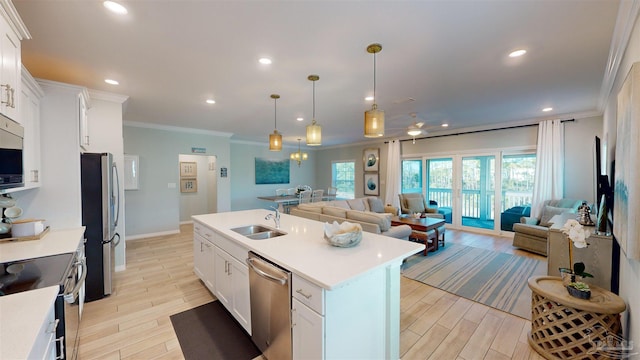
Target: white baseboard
<point>186,222</point>
<point>120,268</point>
<point>142,236</point>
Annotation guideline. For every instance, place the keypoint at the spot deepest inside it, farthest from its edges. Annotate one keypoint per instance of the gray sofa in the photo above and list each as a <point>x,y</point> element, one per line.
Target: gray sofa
<point>369,212</point>
<point>531,233</point>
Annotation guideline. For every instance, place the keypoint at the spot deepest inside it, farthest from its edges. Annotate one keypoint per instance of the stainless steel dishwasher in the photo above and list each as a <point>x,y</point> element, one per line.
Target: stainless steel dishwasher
<point>270,293</point>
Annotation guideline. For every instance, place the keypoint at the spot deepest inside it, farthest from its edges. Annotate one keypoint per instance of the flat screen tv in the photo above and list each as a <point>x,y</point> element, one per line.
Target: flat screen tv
<point>602,188</point>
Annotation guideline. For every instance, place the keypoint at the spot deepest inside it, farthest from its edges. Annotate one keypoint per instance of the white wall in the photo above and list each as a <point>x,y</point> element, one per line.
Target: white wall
<point>155,207</point>
<point>629,269</point>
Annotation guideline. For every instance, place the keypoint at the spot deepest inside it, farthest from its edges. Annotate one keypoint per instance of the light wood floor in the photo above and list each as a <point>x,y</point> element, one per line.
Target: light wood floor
<point>133,323</point>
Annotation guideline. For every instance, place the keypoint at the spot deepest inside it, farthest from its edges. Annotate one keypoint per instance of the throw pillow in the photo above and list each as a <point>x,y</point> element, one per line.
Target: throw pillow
<point>548,212</point>
<point>356,204</point>
<point>415,205</point>
<point>311,208</point>
<point>376,205</point>
<point>382,220</point>
<point>334,211</point>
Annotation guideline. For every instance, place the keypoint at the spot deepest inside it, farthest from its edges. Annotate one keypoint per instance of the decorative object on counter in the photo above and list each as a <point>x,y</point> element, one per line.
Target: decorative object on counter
<point>343,235</point>
<point>584,215</point>
<point>577,236</point>
<point>579,290</point>
<point>13,212</point>
<point>27,227</point>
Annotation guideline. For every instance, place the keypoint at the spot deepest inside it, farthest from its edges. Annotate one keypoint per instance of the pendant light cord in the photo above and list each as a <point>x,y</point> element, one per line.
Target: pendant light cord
<point>314,100</point>
<point>275,114</point>
<point>374,78</point>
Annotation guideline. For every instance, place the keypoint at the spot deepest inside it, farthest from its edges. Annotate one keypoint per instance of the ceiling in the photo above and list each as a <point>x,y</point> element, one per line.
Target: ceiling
<point>444,61</point>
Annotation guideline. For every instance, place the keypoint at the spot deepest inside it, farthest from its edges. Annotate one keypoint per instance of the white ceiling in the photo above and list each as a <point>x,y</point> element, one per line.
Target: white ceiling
<point>446,61</point>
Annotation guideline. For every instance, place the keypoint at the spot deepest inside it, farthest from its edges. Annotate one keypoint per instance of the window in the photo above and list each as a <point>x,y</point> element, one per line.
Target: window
<point>411,176</point>
<point>518,172</point>
<point>343,177</point>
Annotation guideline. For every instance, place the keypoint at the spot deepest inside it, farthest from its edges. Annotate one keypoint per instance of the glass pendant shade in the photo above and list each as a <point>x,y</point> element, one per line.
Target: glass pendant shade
<point>299,156</point>
<point>374,122</point>
<point>314,134</point>
<point>275,141</point>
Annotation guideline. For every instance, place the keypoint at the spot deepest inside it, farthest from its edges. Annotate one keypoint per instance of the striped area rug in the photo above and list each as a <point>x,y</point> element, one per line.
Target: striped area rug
<point>492,278</point>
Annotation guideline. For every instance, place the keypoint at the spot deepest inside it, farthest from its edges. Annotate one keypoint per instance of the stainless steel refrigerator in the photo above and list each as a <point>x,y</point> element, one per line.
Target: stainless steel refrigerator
<point>100,212</point>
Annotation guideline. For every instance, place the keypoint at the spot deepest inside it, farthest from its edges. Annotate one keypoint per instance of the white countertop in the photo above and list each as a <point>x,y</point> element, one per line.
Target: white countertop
<point>304,251</point>
<point>53,243</point>
<point>22,317</point>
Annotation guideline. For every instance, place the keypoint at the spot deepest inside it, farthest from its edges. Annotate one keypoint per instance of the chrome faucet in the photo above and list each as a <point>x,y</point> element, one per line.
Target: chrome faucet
<point>275,217</point>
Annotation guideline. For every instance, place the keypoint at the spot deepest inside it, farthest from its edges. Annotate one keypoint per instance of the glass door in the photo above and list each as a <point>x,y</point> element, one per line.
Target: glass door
<point>439,179</point>
<point>478,191</point>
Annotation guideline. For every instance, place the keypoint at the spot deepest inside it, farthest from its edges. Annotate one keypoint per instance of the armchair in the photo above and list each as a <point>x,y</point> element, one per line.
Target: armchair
<point>531,233</point>
<point>414,202</point>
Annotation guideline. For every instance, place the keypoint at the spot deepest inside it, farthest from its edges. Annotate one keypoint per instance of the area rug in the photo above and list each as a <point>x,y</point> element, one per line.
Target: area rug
<point>210,332</point>
<point>492,278</point>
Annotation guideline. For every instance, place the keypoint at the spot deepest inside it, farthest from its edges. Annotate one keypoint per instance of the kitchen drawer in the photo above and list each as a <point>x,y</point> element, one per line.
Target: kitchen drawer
<point>44,344</point>
<point>308,294</point>
<point>203,231</point>
<point>232,248</point>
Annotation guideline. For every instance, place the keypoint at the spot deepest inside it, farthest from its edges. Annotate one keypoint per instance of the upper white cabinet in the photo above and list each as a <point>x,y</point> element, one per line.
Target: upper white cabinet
<point>30,96</point>
<point>12,32</point>
<point>83,119</point>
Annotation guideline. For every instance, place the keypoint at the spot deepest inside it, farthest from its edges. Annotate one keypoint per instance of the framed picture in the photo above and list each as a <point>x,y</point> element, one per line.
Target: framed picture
<point>371,158</point>
<point>188,169</point>
<point>188,185</point>
<point>626,196</point>
<point>371,184</point>
<point>270,171</point>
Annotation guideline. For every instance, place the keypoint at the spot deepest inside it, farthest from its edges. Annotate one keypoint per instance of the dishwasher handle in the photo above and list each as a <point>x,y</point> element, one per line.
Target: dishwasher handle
<point>250,261</point>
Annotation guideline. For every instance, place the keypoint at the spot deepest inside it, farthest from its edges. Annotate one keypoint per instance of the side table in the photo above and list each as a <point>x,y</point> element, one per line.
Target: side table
<point>565,327</point>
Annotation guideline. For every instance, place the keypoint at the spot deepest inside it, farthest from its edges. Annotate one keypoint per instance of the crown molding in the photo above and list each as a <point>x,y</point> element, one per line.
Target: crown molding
<point>176,129</point>
<point>107,96</point>
<point>627,15</point>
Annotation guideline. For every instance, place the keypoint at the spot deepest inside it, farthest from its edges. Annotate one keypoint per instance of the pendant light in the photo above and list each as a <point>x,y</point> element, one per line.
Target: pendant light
<point>314,131</point>
<point>374,118</point>
<point>299,156</point>
<point>275,139</point>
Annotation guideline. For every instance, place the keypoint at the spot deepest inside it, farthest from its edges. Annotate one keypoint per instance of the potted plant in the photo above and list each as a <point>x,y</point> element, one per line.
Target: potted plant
<point>579,290</point>
<point>577,236</point>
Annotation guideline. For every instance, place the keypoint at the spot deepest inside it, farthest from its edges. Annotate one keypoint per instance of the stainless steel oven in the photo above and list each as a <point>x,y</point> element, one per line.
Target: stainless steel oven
<point>68,271</point>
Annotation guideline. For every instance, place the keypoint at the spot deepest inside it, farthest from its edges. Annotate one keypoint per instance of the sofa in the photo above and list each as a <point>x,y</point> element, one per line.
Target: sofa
<point>369,212</point>
<point>531,233</point>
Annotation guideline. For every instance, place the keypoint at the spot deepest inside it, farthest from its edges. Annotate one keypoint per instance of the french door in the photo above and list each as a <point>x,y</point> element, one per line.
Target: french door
<point>464,188</point>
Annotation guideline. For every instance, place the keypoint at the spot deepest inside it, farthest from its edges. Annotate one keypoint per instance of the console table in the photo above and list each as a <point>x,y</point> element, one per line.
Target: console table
<point>596,257</point>
<point>565,327</point>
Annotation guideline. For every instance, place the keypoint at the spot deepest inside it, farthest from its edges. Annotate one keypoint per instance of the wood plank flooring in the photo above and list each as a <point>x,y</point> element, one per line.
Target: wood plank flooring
<point>133,323</point>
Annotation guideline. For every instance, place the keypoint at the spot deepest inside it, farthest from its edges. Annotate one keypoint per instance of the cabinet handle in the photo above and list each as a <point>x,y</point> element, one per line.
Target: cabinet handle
<point>86,140</point>
<point>13,98</point>
<point>54,326</point>
<point>229,273</point>
<point>60,341</point>
<point>308,296</point>
<point>8,88</point>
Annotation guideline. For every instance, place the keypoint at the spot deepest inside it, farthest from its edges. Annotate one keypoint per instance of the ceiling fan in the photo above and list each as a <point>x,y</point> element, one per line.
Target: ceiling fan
<point>417,127</point>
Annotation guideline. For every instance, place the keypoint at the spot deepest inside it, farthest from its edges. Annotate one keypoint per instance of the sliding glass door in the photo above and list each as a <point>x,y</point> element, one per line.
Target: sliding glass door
<point>440,185</point>
<point>478,191</point>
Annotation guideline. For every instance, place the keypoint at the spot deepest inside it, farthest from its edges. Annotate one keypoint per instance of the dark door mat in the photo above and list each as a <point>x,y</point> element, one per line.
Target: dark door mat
<point>210,332</point>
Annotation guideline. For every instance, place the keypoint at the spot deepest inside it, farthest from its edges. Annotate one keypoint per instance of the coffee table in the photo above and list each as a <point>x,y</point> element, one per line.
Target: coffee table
<point>424,230</point>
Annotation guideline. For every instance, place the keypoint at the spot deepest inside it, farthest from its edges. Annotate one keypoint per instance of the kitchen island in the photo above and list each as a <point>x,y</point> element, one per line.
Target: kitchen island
<point>345,301</point>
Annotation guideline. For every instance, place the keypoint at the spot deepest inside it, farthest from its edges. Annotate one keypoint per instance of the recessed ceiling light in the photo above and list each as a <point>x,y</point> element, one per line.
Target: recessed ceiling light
<point>369,98</point>
<point>445,125</point>
<point>547,109</point>
<point>300,119</point>
<point>211,101</point>
<point>115,7</point>
<point>517,53</point>
<point>264,61</point>
<point>111,82</point>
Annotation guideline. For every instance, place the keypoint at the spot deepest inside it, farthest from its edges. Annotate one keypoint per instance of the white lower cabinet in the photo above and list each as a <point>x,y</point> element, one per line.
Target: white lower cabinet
<point>44,346</point>
<point>232,287</point>
<point>308,332</point>
<point>204,261</point>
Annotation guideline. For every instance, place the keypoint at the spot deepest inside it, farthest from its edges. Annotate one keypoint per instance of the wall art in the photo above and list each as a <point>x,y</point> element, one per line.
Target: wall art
<point>270,171</point>
<point>370,159</point>
<point>371,184</point>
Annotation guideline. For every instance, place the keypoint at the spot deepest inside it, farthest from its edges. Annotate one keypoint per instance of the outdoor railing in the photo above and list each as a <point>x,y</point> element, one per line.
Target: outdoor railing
<point>471,201</point>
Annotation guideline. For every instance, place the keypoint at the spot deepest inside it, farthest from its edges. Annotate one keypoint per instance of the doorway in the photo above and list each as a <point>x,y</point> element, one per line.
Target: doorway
<point>198,185</point>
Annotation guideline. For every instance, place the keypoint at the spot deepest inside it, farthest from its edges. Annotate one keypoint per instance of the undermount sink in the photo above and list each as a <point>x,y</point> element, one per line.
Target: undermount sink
<point>258,232</point>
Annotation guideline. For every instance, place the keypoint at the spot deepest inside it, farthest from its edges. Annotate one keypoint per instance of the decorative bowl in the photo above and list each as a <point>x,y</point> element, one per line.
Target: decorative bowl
<point>343,235</point>
<point>416,215</point>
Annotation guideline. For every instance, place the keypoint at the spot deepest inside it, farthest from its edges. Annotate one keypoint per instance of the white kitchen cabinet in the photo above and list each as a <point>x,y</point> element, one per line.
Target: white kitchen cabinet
<point>83,119</point>
<point>30,96</point>
<point>44,345</point>
<point>221,267</point>
<point>308,331</point>
<point>232,287</point>
<point>12,32</point>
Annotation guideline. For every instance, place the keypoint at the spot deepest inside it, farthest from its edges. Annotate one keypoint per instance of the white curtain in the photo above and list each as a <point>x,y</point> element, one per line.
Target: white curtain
<point>393,174</point>
<point>549,178</point>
